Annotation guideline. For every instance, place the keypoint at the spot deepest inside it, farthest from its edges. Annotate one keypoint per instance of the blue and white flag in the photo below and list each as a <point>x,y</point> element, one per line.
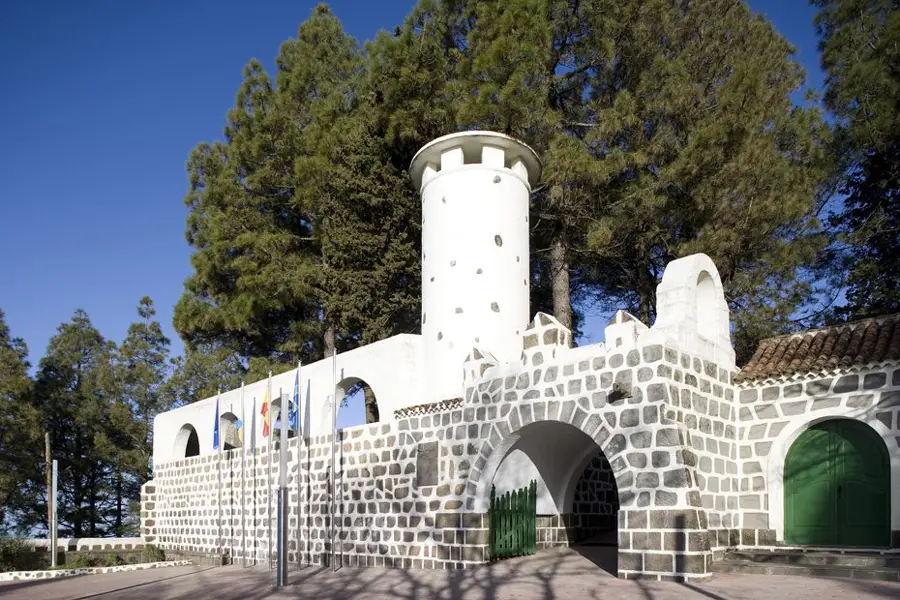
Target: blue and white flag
<point>216,427</point>
<point>294,406</point>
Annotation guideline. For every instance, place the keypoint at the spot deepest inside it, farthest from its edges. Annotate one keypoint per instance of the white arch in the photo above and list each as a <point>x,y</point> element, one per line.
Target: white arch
<point>181,441</point>
<point>782,444</point>
<point>691,308</point>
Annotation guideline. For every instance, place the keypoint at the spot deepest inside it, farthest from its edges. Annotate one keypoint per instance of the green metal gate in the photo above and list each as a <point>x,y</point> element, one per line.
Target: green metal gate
<point>513,522</point>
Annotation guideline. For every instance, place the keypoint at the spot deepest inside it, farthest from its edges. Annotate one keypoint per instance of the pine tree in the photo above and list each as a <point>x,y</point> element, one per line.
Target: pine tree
<point>21,443</point>
<point>698,148</point>
<point>860,46</point>
<point>286,267</point>
<point>76,390</point>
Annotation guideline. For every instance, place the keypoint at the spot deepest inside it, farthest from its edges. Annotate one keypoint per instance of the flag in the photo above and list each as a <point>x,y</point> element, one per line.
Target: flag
<point>294,408</point>
<point>240,431</point>
<point>216,427</point>
<point>265,413</point>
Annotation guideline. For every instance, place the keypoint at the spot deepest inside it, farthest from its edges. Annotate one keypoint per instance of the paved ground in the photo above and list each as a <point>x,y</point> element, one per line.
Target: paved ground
<point>560,574</point>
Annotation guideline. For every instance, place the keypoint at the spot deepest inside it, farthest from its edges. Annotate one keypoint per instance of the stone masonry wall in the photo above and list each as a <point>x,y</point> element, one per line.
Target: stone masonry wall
<point>701,398</point>
<point>411,492</point>
<point>596,501</point>
<point>772,413</point>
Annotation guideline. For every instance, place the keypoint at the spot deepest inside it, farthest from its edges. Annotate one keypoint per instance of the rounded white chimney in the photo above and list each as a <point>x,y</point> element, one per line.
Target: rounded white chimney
<point>475,188</point>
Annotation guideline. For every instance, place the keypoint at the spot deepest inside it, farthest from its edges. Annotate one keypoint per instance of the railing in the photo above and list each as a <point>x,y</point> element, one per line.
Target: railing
<point>513,522</point>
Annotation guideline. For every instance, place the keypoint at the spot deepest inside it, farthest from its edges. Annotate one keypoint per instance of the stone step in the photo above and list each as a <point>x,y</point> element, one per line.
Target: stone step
<point>865,560</point>
<point>837,571</point>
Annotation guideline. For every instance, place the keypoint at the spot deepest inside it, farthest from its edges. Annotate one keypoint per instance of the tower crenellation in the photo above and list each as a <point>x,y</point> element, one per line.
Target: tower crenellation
<point>475,189</point>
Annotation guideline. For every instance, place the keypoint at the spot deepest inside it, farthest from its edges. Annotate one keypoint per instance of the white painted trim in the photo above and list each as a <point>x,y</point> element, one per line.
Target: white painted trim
<point>782,444</point>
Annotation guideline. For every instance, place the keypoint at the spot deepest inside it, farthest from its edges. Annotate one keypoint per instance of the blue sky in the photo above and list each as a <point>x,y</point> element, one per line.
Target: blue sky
<point>102,103</point>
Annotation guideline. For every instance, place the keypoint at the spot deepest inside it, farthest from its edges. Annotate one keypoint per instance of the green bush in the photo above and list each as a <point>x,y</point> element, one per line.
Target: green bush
<point>153,554</point>
<point>19,555</point>
<point>84,561</point>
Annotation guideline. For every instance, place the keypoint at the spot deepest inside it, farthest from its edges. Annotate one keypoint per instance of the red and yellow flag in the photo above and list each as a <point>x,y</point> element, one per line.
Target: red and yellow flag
<point>265,412</point>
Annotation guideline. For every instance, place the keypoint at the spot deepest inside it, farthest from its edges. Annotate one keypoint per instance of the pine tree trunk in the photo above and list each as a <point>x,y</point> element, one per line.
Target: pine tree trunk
<point>119,502</point>
<point>328,340</point>
<point>371,405</point>
<point>645,297</point>
<point>559,273</point>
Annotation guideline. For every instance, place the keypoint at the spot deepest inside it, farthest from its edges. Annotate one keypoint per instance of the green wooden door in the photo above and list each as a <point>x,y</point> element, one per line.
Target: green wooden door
<point>837,487</point>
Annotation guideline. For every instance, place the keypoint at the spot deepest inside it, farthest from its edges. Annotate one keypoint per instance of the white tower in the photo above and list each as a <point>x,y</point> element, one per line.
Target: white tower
<point>475,188</point>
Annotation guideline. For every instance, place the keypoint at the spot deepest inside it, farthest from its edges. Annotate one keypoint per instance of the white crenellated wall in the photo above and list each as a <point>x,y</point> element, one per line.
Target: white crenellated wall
<point>475,190</point>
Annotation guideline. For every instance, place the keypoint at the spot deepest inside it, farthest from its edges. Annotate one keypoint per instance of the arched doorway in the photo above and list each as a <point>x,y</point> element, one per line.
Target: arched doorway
<point>187,442</point>
<point>837,487</point>
<point>578,499</point>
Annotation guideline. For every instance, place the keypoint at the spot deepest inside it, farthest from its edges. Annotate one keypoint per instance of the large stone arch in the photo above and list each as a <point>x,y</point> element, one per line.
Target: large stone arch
<point>491,455</point>
<point>782,445</point>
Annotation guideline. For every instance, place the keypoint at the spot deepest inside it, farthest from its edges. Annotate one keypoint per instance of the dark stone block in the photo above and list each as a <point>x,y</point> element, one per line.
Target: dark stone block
<point>847,383</point>
<point>748,537</point>
<point>771,393</point>
<point>637,519</point>
<point>647,480</point>
<point>656,392</point>
<point>633,358</point>
<point>793,390</point>
<point>652,353</point>
<point>674,519</point>
<point>819,387</point>
<point>427,469</point>
<point>874,380</point>
<point>889,400</point>
<point>691,564</point>
<point>660,563</point>
<point>631,561</point>
<point>664,498</point>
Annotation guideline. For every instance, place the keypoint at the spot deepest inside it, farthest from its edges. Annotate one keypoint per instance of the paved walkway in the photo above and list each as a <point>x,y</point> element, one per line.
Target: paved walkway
<point>559,574</point>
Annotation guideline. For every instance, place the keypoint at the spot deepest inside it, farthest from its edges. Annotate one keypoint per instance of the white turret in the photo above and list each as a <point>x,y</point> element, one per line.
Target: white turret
<point>475,188</point>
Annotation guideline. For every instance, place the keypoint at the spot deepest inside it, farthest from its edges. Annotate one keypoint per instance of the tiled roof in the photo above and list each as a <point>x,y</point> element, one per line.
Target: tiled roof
<point>836,347</point>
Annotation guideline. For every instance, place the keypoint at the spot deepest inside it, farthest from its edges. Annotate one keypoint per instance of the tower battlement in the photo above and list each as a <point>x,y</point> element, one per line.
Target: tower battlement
<point>475,190</point>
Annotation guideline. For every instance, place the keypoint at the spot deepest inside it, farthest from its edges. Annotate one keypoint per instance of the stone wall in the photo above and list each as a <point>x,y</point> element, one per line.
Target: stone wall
<point>413,492</point>
<point>773,413</point>
<point>701,398</point>
<point>596,501</point>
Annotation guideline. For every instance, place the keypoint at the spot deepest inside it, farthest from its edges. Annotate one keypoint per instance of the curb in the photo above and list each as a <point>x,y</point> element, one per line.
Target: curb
<point>55,574</point>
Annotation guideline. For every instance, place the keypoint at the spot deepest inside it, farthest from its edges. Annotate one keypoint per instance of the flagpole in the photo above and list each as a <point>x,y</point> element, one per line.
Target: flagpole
<point>333,441</point>
<point>299,478</point>
<point>269,473</point>
<point>219,445</point>
<point>242,432</point>
<point>255,486</point>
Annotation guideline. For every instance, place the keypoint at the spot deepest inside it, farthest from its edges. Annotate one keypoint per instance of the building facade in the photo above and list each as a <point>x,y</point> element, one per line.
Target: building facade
<point>653,441</point>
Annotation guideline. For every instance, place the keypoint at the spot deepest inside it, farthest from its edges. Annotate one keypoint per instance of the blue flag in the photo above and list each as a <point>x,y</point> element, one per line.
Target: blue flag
<point>293,409</point>
<point>216,427</point>
<point>240,431</point>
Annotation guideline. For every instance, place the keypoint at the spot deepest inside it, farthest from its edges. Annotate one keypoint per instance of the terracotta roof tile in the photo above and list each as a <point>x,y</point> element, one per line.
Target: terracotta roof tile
<point>839,346</point>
